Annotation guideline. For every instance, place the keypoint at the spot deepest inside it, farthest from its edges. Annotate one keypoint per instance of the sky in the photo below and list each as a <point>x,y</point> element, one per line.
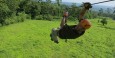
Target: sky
<point>112,3</point>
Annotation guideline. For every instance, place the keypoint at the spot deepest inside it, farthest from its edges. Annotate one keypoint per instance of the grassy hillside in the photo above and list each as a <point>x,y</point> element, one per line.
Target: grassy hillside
<point>30,39</point>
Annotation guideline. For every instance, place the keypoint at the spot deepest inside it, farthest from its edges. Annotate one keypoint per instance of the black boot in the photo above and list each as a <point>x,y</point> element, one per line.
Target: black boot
<point>51,37</point>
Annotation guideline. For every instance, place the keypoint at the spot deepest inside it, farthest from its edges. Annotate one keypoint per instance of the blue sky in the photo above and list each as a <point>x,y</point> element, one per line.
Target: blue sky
<point>112,3</point>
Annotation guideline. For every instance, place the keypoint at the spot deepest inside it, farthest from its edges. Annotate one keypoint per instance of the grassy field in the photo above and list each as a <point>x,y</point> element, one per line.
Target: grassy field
<point>30,39</point>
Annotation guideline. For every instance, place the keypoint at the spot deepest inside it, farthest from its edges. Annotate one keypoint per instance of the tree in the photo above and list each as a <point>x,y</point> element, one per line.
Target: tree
<point>113,10</point>
<point>59,3</point>
<point>23,5</point>
<point>108,12</point>
<point>4,12</point>
<point>74,10</point>
<point>35,9</point>
<point>48,1</point>
<point>12,4</point>
<point>113,16</point>
<point>100,12</point>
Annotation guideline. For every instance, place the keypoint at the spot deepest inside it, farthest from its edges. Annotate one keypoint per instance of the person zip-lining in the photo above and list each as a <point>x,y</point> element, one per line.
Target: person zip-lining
<point>72,31</point>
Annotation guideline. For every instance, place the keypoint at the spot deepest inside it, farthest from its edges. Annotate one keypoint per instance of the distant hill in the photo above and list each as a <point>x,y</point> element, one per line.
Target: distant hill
<point>95,7</point>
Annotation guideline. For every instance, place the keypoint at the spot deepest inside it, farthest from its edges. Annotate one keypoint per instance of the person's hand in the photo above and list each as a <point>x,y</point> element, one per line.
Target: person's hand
<point>87,5</point>
<point>65,14</point>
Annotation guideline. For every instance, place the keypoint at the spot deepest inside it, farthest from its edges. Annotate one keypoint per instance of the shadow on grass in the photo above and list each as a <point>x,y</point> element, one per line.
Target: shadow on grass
<point>106,27</point>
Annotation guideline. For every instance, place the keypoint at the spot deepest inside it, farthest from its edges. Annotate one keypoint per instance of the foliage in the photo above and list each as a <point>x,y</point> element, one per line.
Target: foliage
<point>104,21</point>
<point>48,17</point>
<point>72,18</point>
<point>22,17</point>
<point>15,19</point>
<point>39,17</point>
<point>44,10</point>
<point>4,12</point>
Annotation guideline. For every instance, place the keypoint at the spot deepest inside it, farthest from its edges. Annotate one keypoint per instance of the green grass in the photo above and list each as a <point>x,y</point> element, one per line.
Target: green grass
<point>31,39</point>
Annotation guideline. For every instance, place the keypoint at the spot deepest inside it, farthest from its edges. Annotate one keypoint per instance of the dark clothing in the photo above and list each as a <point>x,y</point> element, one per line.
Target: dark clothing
<point>69,32</point>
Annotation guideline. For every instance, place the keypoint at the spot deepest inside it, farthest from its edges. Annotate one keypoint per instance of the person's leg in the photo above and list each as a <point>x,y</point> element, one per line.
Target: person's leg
<point>54,35</point>
<point>54,32</point>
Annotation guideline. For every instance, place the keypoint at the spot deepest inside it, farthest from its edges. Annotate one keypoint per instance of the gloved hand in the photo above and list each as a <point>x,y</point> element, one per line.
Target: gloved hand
<point>87,5</point>
<point>65,14</point>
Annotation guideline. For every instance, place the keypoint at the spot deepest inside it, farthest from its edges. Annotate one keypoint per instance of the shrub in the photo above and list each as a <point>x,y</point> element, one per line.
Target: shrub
<point>56,17</point>
<point>39,17</point>
<point>15,19</point>
<point>7,22</point>
<point>48,17</point>
<point>44,17</point>
<point>71,18</point>
<point>104,21</point>
<point>10,21</point>
<point>22,17</point>
<point>28,16</point>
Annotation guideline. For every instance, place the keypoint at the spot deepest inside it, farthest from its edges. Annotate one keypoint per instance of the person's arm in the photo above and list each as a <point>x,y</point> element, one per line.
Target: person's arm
<point>62,22</point>
<point>64,19</point>
<point>82,13</point>
<point>86,7</point>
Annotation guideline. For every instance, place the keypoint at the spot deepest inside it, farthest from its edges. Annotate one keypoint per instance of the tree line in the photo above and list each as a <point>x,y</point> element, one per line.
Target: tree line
<point>13,11</point>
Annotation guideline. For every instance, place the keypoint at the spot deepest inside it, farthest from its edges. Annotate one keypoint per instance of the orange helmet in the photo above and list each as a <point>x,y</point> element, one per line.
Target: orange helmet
<point>85,23</point>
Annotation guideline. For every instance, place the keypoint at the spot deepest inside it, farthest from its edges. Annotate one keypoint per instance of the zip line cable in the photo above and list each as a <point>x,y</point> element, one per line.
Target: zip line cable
<point>102,2</point>
<point>99,2</point>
